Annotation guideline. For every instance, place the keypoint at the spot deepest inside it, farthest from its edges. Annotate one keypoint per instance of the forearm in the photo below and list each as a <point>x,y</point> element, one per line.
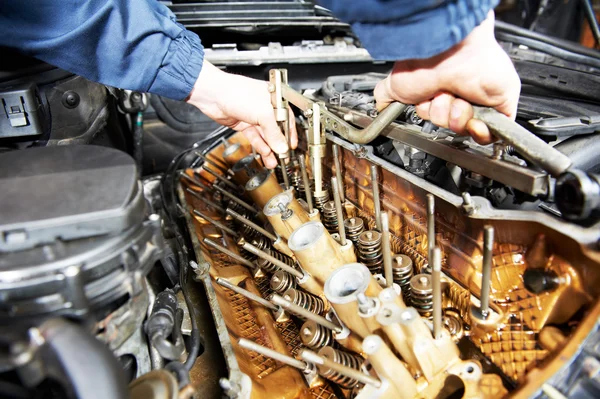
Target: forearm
<point>131,44</point>
<point>406,29</point>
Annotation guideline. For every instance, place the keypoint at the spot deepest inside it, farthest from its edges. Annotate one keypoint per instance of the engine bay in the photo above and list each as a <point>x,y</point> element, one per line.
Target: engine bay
<point>146,252</point>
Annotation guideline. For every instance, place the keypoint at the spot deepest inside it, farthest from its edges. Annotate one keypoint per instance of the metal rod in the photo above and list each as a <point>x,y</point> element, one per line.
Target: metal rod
<point>338,171</point>
<point>194,181</point>
<point>223,169</point>
<point>261,254</point>
<point>235,199</point>
<point>227,182</point>
<point>338,210</point>
<point>387,250</point>
<point>268,352</point>
<point>591,17</point>
<point>216,223</point>
<point>286,179</point>
<point>206,200</point>
<point>306,314</point>
<point>251,224</point>
<point>357,375</point>
<point>229,253</point>
<point>376,199</point>
<point>436,282</point>
<point>486,268</point>
<point>306,183</point>
<point>430,227</point>
<point>250,295</point>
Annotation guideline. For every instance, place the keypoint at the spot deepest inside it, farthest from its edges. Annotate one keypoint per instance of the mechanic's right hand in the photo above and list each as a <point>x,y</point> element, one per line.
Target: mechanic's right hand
<point>242,104</point>
<point>443,87</point>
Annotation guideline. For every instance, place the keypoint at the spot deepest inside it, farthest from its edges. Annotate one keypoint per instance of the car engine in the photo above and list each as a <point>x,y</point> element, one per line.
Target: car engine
<point>146,252</point>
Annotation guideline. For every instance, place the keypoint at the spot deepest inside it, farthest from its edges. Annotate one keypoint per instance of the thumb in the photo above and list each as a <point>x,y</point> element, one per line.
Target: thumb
<point>383,94</point>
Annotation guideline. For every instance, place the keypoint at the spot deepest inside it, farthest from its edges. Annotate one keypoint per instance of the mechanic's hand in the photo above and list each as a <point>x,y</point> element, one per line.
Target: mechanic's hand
<point>476,70</point>
<point>242,104</point>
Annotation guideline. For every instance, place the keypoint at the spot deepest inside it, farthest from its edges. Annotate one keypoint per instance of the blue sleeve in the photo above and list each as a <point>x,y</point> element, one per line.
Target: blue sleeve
<point>130,44</point>
<point>396,30</point>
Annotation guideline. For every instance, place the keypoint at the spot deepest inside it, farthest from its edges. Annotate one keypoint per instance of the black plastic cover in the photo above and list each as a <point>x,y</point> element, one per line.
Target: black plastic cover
<point>66,193</point>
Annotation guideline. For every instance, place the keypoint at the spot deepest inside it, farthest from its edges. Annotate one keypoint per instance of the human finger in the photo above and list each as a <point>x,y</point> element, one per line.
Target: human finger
<point>253,135</point>
<point>461,112</point>
<point>439,110</point>
<point>480,132</point>
<point>293,131</point>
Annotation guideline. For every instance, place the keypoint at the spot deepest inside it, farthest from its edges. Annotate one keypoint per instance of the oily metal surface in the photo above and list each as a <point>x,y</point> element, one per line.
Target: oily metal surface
<point>242,319</point>
<point>513,346</point>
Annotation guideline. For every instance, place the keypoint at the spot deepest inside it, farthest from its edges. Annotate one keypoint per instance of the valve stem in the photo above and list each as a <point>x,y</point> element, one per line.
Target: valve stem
<point>376,199</point>
<point>486,272</point>
<point>436,283</point>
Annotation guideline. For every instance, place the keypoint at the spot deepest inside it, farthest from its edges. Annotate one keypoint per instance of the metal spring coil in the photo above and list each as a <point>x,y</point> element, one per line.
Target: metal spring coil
<point>282,281</point>
<point>422,294</point>
<point>420,263</point>
<point>298,184</point>
<point>271,268</point>
<point>402,272</point>
<point>345,359</point>
<point>259,242</point>
<point>322,200</point>
<point>247,231</point>
<point>315,336</point>
<point>329,217</point>
<point>369,251</point>
<point>354,228</point>
<point>307,301</point>
<point>279,174</point>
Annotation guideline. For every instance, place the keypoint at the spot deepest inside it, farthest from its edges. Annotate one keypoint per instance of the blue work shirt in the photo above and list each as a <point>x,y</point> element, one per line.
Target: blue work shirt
<point>138,45</point>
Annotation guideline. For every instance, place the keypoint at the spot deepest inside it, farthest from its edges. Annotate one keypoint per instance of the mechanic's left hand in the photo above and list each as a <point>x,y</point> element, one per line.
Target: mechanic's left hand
<point>242,104</point>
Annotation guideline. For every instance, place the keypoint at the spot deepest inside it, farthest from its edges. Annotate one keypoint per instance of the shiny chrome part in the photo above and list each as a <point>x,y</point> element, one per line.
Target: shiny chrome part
<point>316,336</point>
<point>354,228</point>
<point>339,367</point>
<point>249,295</point>
<point>436,282</point>
<point>304,313</point>
<point>430,227</point>
<point>486,269</point>
<point>305,300</point>
<point>321,200</point>
<point>422,294</point>
<point>282,281</point>
<point>370,251</point>
<point>387,251</point>
<point>376,199</point>
<point>402,269</point>
<point>338,172</point>
<point>329,217</point>
<point>284,172</point>
<point>305,184</point>
<point>338,210</point>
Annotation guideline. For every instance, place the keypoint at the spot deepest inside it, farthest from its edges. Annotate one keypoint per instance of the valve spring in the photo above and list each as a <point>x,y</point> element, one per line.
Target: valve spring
<point>298,184</point>
<point>322,200</point>
<point>271,268</point>
<point>282,281</point>
<point>344,358</point>
<point>369,250</point>
<point>259,242</point>
<point>402,270</point>
<point>354,228</point>
<point>247,231</point>
<point>315,336</point>
<point>422,294</point>
<point>279,174</point>
<point>307,301</point>
<point>329,217</point>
